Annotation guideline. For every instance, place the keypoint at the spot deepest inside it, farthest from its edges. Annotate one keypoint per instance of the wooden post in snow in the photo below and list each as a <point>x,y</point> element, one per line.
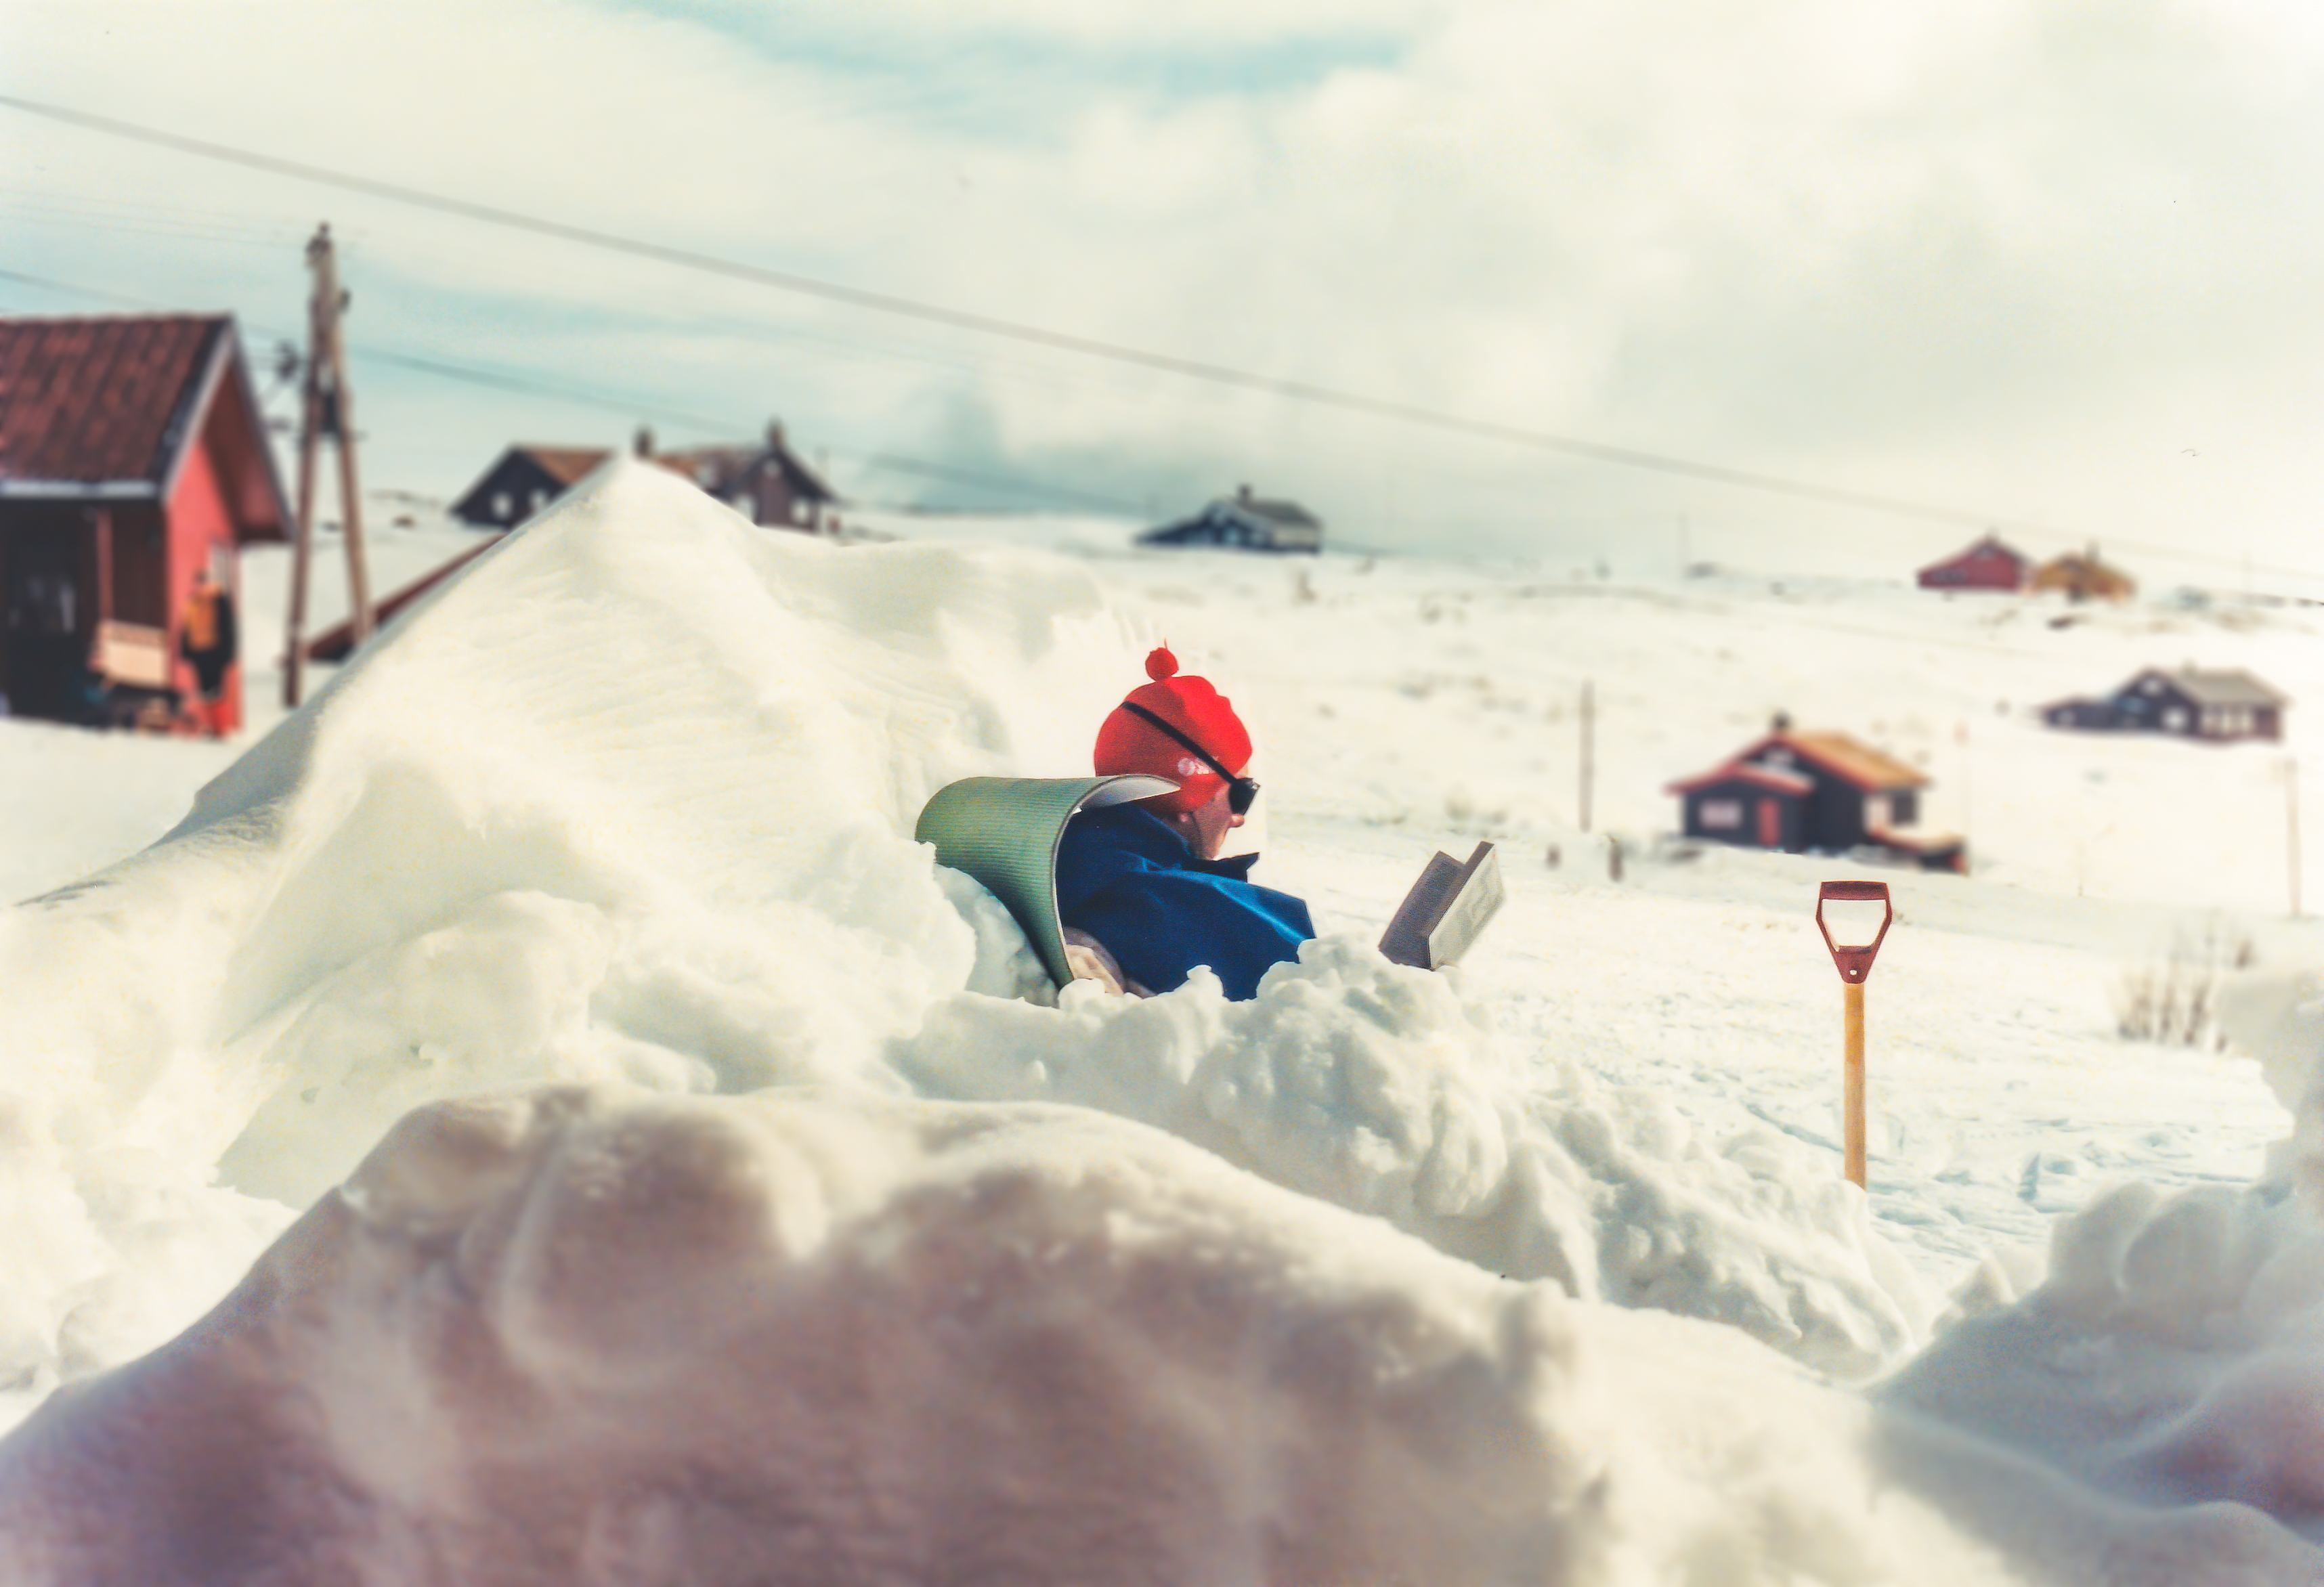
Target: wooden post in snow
<point>1854,963</point>
<point>326,408</point>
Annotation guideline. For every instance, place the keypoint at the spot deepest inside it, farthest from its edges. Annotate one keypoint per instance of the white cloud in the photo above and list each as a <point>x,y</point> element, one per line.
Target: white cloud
<point>2051,263</point>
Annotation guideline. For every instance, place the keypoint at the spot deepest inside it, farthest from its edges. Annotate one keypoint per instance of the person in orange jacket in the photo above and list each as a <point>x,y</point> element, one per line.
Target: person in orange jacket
<point>206,638</point>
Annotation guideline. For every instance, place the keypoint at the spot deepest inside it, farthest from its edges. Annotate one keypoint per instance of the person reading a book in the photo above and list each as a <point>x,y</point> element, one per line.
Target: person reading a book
<point>1141,891</point>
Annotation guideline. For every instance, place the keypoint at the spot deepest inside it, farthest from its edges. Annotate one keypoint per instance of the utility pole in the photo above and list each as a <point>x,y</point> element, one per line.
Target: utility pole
<point>1588,714</point>
<point>326,408</point>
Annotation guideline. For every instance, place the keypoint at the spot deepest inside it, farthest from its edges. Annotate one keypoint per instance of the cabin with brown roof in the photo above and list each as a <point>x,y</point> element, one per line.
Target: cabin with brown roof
<point>2218,706</point>
<point>1989,564</point>
<point>767,483</point>
<point>2081,576</point>
<point>1813,792</point>
<point>522,481</point>
<point>132,451</point>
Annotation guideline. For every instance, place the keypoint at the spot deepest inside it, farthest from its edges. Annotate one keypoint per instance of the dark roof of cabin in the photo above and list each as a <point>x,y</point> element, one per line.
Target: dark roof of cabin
<point>101,398</point>
<point>2230,686</point>
<point>1290,515</point>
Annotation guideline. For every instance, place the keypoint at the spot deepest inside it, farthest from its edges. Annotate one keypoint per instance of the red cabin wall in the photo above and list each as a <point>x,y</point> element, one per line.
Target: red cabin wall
<point>1986,570</point>
<point>197,522</point>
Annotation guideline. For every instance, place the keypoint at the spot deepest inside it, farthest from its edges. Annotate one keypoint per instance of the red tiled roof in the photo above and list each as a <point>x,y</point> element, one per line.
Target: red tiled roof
<point>103,400</point>
<point>1767,777</point>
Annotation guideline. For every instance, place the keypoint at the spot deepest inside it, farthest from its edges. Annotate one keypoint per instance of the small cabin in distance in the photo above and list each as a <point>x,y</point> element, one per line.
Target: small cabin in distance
<point>2082,577</point>
<point>522,481</point>
<point>2218,706</point>
<point>1989,564</point>
<point>767,483</point>
<point>1802,792</point>
<point>132,453</point>
<point>1245,522</point>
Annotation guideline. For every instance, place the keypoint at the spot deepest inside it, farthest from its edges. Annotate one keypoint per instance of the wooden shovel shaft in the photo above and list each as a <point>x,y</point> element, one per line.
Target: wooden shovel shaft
<point>1854,1084</point>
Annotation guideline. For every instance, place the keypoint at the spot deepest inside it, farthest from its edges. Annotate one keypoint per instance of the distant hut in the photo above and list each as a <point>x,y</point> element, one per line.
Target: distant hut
<point>1989,564</point>
<point>132,451</point>
<point>1812,792</point>
<point>2083,577</point>
<point>1246,522</point>
<point>767,482</point>
<point>522,482</point>
<point>2217,706</point>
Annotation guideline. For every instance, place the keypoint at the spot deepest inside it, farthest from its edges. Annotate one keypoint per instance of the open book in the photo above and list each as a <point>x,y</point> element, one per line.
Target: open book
<point>1445,911</point>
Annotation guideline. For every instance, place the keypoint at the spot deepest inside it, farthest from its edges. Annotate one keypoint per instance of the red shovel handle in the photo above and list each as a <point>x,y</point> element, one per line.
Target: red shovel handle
<point>1855,963</point>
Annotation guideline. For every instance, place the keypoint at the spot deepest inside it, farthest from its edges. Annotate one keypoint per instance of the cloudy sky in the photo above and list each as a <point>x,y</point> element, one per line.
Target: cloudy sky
<point>2056,266</point>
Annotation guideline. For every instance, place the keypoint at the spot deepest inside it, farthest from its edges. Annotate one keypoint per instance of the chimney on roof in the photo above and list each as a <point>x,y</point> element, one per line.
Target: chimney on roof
<point>1781,721</point>
<point>775,435</point>
<point>644,445</point>
<point>1242,493</point>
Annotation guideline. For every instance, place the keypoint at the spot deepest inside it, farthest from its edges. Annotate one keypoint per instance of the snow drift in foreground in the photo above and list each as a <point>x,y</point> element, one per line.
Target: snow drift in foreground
<point>632,802</point>
<point>621,820</point>
<point>799,1336</point>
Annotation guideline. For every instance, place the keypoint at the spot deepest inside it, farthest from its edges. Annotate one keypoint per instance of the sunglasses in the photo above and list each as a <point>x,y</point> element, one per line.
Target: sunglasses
<point>1240,790</point>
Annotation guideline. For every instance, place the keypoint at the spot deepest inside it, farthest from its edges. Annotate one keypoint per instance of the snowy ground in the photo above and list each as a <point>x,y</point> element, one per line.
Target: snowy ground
<point>624,810</point>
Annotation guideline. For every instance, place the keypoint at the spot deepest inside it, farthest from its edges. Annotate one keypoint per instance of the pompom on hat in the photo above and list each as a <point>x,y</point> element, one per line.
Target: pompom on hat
<point>1126,743</point>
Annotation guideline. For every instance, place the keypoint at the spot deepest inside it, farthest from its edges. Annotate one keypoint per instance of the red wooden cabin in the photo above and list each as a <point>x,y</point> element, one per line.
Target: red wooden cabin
<point>1818,793</point>
<point>1987,564</point>
<point>132,452</point>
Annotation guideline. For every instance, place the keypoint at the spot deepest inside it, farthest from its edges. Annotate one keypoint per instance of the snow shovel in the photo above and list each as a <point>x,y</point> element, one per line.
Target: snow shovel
<point>1004,831</point>
<point>1854,963</point>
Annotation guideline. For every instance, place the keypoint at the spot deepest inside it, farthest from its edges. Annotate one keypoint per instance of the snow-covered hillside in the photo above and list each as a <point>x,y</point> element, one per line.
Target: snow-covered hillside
<point>785,1241</point>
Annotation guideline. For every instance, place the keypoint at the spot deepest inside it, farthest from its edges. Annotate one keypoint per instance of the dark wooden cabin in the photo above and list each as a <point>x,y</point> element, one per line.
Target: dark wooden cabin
<point>2215,707</point>
<point>1245,522</point>
<point>767,483</point>
<point>132,451</point>
<point>1813,792</point>
<point>522,481</point>
<point>1987,564</point>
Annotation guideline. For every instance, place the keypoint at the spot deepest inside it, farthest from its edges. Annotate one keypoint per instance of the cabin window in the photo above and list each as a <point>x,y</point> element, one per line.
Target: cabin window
<point>2174,720</point>
<point>2152,686</point>
<point>503,506</point>
<point>1722,815</point>
<point>540,500</point>
<point>1904,806</point>
<point>1876,810</point>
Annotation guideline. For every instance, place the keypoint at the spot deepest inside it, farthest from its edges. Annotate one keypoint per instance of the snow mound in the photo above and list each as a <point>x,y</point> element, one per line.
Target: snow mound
<point>2172,1353</point>
<point>587,1336</point>
<point>1376,1088</point>
<point>630,802</point>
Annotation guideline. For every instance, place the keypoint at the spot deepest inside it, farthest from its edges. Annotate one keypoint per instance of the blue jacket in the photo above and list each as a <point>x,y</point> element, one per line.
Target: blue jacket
<point>1128,879</point>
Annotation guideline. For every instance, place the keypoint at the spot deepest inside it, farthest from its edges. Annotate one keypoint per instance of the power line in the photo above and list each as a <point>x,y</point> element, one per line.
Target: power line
<point>529,384</point>
<point>1022,331</point>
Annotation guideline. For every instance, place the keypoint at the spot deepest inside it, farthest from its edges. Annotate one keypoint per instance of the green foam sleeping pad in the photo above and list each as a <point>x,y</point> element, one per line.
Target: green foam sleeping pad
<point>1004,831</point>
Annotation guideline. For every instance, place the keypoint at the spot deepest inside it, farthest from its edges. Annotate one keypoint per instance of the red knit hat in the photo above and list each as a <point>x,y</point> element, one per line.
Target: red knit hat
<point>1127,742</point>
